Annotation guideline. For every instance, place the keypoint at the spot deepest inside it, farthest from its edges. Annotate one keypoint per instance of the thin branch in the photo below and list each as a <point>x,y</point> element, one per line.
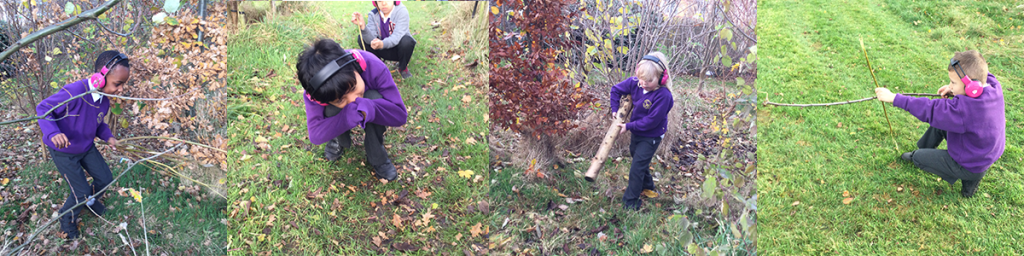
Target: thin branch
<point>96,91</point>
<point>733,23</point>
<point>176,139</point>
<point>60,26</point>
<point>145,236</point>
<point>843,102</point>
<point>48,223</point>
<point>130,31</point>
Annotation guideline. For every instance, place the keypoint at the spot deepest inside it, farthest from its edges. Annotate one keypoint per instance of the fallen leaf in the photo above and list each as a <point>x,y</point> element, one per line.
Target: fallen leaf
<point>470,141</point>
<point>466,99</point>
<point>475,230</point>
<point>466,174</point>
<point>796,203</point>
<point>376,241</point>
<point>397,221</point>
<point>848,200</point>
<point>646,249</point>
<point>846,193</point>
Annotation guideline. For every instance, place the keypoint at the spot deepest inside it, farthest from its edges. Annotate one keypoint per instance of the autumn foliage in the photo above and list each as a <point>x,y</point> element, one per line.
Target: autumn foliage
<point>530,93</point>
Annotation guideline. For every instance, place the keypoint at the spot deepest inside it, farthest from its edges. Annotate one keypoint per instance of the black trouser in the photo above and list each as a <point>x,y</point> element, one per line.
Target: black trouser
<point>938,161</point>
<point>374,139</point>
<point>642,149</point>
<point>70,167</point>
<point>401,53</point>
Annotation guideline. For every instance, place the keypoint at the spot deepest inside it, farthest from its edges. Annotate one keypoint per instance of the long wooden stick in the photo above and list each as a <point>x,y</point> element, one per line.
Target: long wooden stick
<point>843,102</point>
<point>872,71</point>
<point>606,145</point>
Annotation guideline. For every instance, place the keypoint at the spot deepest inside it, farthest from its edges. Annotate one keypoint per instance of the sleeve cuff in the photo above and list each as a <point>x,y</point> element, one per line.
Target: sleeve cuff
<point>364,108</point>
<point>900,101</point>
<point>630,126</point>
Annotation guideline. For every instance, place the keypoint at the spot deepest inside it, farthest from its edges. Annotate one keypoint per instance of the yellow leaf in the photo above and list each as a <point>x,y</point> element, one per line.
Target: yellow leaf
<point>846,193</point>
<point>647,249</point>
<point>4,182</point>
<point>433,206</point>
<point>245,157</point>
<point>466,174</point>
<point>494,10</point>
<point>135,194</point>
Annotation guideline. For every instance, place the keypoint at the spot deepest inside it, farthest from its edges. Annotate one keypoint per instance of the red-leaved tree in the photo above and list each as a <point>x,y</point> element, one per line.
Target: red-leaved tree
<point>530,91</point>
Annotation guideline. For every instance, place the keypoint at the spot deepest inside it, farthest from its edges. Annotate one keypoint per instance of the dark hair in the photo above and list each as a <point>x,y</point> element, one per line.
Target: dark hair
<point>105,58</point>
<point>317,56</point>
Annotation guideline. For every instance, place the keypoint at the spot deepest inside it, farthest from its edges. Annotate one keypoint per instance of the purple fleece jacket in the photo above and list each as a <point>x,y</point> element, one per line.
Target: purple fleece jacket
<point>388,111</point>
<point>81,119</point>
<point>975,127</point>
<point>650,109</point>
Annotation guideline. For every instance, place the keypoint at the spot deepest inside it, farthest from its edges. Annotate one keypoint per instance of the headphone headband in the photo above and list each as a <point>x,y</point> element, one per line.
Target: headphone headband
<point>664,70</point>
<point>117,58</point>
<point>329,70</point>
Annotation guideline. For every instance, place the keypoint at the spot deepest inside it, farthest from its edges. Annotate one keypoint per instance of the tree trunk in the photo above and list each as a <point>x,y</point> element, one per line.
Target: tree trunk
<point>606,144</point>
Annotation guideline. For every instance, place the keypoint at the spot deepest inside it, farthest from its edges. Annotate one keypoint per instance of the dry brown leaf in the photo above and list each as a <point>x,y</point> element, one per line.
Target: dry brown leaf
<point>848,200</point>
<point>475,230</point>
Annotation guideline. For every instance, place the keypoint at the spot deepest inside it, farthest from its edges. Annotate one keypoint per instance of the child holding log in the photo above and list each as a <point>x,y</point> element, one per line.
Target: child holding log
<point>345,89</point>
<point>652,100</point>
<point>70,128</point>
<point>973,123</point>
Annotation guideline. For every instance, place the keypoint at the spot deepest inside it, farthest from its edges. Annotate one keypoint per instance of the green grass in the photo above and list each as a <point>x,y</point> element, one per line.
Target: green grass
<point>280,183</point>
<point>179,222</point>
<point>810,54</point>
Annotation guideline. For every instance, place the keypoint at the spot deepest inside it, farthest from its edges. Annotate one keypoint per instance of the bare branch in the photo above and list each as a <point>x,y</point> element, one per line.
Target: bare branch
<point>86,15</point>
<point>843,102</point>
<point>138,20</point>
<point>96,91</point>
<point>48,223</point>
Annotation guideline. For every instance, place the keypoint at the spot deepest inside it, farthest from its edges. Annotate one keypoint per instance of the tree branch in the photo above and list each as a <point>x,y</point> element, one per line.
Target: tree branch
<point>138,20</point>
<point>733,23</point>
<point>86,15</point>
<point>843,102</point>
<point>96,91</point>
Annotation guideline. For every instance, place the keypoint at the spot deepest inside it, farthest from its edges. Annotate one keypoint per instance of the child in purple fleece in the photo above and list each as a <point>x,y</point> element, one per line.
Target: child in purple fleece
<point>652,99</point>
<point>70,128</point>
<point>974,127</point>
<point>359,92</point>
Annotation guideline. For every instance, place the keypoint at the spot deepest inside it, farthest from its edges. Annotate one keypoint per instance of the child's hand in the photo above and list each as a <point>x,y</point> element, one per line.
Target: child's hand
<point>112,141</point>
<point>357,18</point>
<point>622,128</point>
<point>60,141</point>
<point>376,44</point>
<point>884,95</point>
<point>945,91</point>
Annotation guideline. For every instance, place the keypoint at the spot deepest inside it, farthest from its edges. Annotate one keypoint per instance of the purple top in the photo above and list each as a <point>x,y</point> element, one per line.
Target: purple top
<point>386,26</point>
<point>975,127</point>
<point>650,109</point>
<point>81,119</point>
<point>388,111</point>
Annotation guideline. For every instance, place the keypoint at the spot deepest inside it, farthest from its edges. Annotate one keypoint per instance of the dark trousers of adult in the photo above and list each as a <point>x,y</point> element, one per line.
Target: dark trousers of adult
<point>373,143</point>
<point>401,53</point>
<point>71,168</point>
<point>642,149</point>
<point>938,161</point>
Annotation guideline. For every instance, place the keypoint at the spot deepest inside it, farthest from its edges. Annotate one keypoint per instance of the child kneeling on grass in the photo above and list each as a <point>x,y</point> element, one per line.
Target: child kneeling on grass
<point>652,99</point>
<point>69,131</point>
<point>973,123</point>
<point>345,89</point>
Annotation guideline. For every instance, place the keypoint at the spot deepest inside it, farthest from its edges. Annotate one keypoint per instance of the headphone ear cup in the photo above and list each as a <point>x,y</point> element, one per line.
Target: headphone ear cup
<point>97,80</point>
<point>664,77</point>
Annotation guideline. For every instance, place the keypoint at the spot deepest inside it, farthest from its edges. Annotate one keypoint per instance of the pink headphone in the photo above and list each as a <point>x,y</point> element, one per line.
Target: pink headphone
<point>972,88</point>
<point>99,79</point>
<point>664,70</point>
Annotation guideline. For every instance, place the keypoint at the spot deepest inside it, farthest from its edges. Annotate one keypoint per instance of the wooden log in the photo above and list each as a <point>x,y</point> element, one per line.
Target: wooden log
<point>625,106</point>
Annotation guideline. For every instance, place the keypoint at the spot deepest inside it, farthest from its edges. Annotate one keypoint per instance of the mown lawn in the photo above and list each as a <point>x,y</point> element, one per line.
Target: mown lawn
<point>810,157</point>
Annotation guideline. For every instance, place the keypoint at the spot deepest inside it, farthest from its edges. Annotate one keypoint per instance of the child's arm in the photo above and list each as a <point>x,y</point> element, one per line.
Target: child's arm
<point>621,89</point>
<point>401,21</point>
<point>388,110</point>
<point>369,32</point>
<point>322,129</point>
<point>48,127</point>
<point>944,114</point>
<point>660,112</point>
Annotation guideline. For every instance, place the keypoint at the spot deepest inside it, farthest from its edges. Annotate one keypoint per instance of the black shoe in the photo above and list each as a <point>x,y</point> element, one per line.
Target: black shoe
<point>69,226</point>
<point>97,208</point>
<point>333,149</point>
<point>970,186</point>
<point>385,171</point>
<point>909,156</point>
<point>405,73</point>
